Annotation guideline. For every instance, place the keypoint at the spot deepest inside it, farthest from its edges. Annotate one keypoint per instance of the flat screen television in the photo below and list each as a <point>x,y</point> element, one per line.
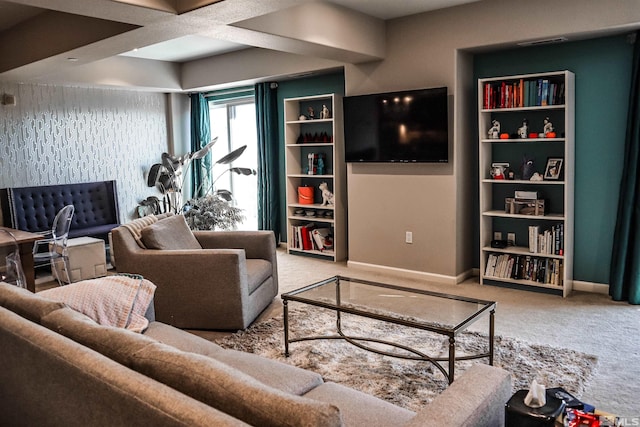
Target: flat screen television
<point>401,127</point>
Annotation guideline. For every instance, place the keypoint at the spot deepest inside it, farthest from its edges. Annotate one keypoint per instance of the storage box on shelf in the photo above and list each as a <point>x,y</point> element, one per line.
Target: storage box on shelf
<point>524,120</point>
<point>313,145</point>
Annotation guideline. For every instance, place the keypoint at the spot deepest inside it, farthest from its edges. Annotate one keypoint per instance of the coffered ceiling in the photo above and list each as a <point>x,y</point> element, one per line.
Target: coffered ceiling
<point>38,37</point>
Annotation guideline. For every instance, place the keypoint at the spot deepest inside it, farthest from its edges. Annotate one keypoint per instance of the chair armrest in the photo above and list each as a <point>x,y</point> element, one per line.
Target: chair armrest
<point>476,398</point>
<point>257,244</point>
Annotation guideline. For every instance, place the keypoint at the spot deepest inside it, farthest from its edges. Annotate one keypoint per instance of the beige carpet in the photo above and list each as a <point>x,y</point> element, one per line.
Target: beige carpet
<point>585,322</point>
<point>410,384</point>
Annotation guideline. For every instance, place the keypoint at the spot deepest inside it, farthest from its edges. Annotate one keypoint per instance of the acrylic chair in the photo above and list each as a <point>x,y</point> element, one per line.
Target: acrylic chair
<point>11,272</point>
<point>56,245</point>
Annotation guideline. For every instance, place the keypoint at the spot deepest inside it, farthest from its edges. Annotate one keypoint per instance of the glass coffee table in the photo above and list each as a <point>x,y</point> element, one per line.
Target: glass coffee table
<point>429,311</point>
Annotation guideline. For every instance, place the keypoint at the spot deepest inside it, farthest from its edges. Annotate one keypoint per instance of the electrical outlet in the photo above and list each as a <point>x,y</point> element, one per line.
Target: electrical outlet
<point>511,238</point>
<point>408,237</point>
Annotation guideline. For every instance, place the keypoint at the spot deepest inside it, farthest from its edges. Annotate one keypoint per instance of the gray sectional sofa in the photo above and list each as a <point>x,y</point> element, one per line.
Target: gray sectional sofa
<point>61,368</point>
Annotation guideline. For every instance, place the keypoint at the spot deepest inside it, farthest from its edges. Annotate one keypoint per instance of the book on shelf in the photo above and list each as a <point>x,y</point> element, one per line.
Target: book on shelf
<point>549,242</point>
<point>524,267</point>
<point>522,93</point>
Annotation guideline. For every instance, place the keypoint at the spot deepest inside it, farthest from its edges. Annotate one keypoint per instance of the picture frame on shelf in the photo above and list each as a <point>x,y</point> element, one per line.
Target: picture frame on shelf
<point>553,169</point>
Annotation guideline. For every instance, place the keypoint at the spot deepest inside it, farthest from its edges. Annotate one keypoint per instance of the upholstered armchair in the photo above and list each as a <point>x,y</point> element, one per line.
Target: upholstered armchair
<point>204,279</point>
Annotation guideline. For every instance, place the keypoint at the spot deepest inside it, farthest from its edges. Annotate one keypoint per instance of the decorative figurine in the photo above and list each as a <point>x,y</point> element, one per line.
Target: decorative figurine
<point>497,172</point>
<point>523,131</point>
<point>327,196</point>
<point>320,166</point>
<point>549,131</point>
<point>325,113</point>
<point>310,166</point>
<point>527,168</point>
<point>310,113</point>
<point>494,132</point>
<point>302,117</point>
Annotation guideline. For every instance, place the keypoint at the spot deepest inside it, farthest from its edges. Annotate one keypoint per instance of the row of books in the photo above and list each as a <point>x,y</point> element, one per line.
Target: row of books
<point>524,267</point>
<point>550,241</point>
<point>522,93</point>
<point>309,237</point>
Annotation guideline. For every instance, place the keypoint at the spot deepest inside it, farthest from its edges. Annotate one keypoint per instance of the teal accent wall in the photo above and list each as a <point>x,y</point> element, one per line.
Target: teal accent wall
<point>309,86</point>
<point>602,69</point>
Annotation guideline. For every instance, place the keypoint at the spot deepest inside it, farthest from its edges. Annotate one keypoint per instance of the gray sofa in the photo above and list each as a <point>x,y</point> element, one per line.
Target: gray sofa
<point>59,367</point>
<point>217,280</point>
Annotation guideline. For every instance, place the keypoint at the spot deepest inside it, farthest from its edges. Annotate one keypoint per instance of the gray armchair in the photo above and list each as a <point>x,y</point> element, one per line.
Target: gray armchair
<point>224,285</point>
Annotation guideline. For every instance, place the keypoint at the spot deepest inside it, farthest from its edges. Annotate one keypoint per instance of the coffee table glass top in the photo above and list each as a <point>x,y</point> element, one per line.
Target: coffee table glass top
<point>415,307</point>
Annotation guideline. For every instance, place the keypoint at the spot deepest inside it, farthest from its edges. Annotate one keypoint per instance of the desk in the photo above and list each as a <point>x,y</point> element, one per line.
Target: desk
<point>25,243</point>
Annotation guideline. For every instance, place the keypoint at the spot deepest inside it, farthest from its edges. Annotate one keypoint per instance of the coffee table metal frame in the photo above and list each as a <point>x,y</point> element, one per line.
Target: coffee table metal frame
<point>413,354</point>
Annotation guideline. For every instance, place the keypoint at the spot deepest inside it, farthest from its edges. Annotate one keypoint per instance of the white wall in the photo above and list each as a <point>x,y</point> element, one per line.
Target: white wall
<point>59,135</point>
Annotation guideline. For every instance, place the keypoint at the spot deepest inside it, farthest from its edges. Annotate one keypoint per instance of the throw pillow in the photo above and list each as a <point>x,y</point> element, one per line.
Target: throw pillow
<point>119,300</point>
<point>169,233</point>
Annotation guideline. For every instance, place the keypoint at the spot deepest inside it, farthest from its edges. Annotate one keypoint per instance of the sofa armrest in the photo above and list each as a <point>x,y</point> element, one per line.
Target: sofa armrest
<point>257,244</point>
<point>475,399</point>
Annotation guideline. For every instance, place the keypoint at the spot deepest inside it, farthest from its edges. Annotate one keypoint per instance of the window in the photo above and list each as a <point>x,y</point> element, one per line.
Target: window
<point>233,121</point>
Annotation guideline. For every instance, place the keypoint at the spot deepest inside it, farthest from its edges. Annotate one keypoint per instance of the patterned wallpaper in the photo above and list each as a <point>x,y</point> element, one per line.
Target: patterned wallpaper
<point>59,135</point>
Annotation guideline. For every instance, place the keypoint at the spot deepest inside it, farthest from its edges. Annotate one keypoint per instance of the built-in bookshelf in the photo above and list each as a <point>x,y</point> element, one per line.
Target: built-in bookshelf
<point>313,146</point>
<point>526,128</point>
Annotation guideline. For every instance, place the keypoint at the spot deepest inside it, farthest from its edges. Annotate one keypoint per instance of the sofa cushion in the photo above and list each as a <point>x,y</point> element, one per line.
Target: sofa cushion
<point>182,340</point>
<point>26,304</point>
<point>115,343</point>
<point>258,270</point>
<point>118,300</point>
<point>168,234</point>
<point>230,390</point>
<point>360,409</point>
<point>281,376</point>
<point>278,375</point>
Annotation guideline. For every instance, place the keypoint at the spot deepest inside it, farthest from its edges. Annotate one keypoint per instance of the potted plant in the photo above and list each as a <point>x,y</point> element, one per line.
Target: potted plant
<point>211,210</point>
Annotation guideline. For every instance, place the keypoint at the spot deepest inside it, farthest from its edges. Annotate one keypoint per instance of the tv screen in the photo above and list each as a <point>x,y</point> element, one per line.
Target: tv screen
<point>403,127</point>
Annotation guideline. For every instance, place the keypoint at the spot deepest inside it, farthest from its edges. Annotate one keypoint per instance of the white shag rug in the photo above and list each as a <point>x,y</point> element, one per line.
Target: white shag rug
<point>409,384</point>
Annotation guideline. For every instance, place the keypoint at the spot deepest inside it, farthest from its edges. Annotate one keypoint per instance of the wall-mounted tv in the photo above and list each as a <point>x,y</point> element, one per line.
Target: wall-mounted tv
<point>402,127</point>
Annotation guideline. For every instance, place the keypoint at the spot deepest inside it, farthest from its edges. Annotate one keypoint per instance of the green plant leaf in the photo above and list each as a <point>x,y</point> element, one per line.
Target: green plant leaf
<point>232,156</point>
<point>225,194</point>
<point>203,151</point>
<point>243,171</point>
<point>154,174</point>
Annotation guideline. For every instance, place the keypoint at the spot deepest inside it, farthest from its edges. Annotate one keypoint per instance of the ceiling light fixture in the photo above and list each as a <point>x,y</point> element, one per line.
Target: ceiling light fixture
<point>72,59</point>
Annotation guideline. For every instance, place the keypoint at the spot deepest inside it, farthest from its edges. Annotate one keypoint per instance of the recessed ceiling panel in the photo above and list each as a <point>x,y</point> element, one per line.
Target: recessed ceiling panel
<point>185,48</point>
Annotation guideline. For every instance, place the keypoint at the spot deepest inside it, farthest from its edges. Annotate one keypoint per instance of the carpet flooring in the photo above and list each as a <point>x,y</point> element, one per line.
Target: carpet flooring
<point>585,322</point>
<point>406,383</point>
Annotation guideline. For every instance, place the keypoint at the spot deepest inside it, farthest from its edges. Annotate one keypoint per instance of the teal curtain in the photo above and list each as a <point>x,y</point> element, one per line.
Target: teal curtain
<point>268,158</point>
<point>624,280</point>
<point>200,136</point>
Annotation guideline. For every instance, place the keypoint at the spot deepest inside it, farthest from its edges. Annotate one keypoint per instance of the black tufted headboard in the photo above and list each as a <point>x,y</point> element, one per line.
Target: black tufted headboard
<point>34,208</point>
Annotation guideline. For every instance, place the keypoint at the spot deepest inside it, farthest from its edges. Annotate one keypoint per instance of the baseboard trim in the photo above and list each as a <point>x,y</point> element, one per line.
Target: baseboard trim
<point>596,288</point>
<point>410,274</point>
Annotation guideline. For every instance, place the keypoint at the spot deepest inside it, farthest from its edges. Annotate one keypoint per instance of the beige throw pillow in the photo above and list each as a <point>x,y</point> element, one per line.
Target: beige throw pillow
<point>169,233</point>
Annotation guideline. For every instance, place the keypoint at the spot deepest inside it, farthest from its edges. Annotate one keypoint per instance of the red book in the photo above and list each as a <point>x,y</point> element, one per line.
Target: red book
<point>306,238</point>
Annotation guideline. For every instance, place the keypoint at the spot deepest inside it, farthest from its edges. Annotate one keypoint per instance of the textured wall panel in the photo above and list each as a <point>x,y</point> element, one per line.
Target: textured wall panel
<point>60,135</point>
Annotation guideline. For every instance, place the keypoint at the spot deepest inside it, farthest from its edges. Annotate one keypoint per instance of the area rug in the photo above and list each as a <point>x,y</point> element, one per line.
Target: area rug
<point>409,384</point>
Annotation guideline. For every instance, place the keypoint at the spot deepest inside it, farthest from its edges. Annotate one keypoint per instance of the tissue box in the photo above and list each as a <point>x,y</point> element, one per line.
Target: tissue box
<point>517,414</point>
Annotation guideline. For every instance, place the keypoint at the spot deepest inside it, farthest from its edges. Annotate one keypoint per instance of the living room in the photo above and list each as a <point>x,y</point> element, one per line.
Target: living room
<point>110,117</point>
